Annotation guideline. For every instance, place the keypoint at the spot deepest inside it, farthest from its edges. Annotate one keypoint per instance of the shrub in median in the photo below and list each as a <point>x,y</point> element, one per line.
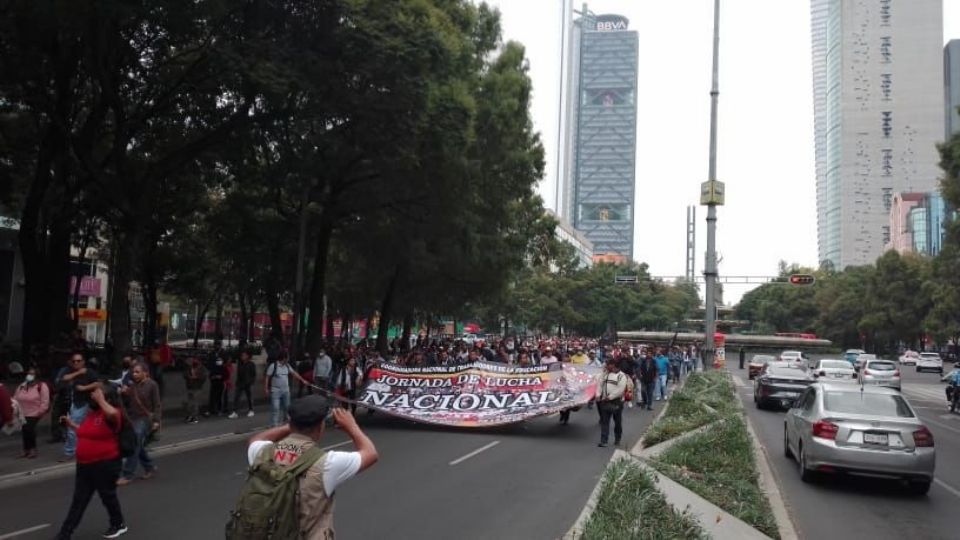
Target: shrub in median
<point>719,465</point>
<point>686,409</point>
<point>630,507</point>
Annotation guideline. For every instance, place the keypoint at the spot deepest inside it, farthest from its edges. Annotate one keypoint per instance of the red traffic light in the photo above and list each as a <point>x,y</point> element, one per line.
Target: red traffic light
<point>802,279</point>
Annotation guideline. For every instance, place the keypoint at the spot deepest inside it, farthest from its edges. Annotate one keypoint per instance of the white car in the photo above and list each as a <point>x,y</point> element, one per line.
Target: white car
<point>828,370</point>
<point>796,358</point>
<point>909,358</point>
<point>930,361</point>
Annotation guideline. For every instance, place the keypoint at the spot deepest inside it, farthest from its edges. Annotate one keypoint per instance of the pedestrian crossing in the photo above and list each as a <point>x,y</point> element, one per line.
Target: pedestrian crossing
<point>924,392</point>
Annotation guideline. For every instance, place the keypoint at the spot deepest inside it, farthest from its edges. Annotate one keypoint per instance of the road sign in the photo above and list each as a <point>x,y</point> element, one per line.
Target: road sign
<point>802,279</point>
<point>712,192</point>
<point>625,279</point>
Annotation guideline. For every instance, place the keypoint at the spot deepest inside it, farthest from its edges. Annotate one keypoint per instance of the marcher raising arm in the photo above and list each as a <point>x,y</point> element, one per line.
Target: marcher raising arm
<point>366,449</point>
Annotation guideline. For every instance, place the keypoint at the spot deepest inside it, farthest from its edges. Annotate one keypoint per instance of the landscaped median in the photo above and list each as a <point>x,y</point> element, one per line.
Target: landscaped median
<point>694,474</point>
<point>630,506</point>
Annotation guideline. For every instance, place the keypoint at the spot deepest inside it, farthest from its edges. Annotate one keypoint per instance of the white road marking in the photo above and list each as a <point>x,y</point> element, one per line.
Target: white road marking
<point>475,452</point>
<point>940,483</point>
<point>14,534</point>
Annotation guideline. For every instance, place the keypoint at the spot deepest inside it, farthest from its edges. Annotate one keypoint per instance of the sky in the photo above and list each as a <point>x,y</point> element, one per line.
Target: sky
<point>765,130</point>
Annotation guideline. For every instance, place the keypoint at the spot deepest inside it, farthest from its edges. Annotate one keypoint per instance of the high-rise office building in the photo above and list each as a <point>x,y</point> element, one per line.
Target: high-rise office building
<point>951,86</point>
<point>878,114</point>
<point>918,223</point>
<point>598,124</point>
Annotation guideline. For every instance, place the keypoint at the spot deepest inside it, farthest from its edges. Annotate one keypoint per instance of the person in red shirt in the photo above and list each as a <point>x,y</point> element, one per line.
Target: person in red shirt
<point>6,407</point>
<point>98,462</point>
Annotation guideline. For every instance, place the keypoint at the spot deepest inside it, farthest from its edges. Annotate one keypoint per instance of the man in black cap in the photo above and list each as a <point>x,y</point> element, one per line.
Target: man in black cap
<point>613,385</point>
<point>286,443</point>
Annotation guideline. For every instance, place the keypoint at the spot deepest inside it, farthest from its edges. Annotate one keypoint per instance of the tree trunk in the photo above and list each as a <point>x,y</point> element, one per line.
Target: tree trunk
<point>242,331</point>
<point>407,326</point>
<point>58,261</point>
<point>201,316</point>
<point>299,304</point>
<point>318,286</point>
<point>276,323</point>
<point>218,323</point>
<point>120,300</point>
<point>386,311</point>
<point>149,292</point>
<point>345,325</point>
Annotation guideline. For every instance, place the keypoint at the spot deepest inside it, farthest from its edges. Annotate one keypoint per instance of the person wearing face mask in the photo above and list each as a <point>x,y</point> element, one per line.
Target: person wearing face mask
<point>33,396</point>
<point>218,373</point>
<point>98,461</point>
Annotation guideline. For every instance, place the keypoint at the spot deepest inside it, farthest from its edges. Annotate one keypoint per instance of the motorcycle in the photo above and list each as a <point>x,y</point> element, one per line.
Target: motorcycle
<point>953,397</point>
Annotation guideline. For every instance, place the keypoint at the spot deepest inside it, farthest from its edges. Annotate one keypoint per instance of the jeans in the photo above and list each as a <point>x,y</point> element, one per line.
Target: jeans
<point>141,426</point>
<point>76,414</point>
<point>243,390</point>
<point>649,390</point>
<point>608,410</point>
<point>279,402</point>
<point>100,477</point>
<point>29,433</point>
<point>662,385</point>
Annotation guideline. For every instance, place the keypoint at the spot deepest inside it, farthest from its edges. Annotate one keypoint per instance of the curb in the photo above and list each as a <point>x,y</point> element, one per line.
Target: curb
<point>638,448</point>
<point>768,481</point>
<point>660,448</point>
<point>577,529</point>
<point>64,469</point>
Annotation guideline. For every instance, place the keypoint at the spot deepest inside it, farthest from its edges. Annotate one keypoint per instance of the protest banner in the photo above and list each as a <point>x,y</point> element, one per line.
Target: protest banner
<point>477,394</point>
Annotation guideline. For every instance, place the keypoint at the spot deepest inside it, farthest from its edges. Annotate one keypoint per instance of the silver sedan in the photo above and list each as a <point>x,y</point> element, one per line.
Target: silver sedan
<point>870,430</point>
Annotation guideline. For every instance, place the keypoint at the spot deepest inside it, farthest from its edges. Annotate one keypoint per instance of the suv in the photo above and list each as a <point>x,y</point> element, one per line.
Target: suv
<point>930,361</point>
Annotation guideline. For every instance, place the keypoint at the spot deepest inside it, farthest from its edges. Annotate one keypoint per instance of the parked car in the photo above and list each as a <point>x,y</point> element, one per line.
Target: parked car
<point>780,385</point>
<point>840,428</point>
<point>930,361</point>
<point>881,373</point>
<point>852,355</point>
<point>834,370</point>
<point>757,363</point>
<point>909,358</point>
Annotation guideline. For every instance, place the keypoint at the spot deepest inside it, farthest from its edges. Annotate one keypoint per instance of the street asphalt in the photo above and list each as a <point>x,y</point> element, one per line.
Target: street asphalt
<point>526,481</point>
<point>856,507</point>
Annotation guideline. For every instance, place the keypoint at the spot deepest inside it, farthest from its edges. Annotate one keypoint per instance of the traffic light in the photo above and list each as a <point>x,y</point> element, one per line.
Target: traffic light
<point>802,279</point>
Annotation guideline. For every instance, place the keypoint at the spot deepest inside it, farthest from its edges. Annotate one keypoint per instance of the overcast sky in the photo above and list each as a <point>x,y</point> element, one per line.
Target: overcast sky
<point>765,150</point>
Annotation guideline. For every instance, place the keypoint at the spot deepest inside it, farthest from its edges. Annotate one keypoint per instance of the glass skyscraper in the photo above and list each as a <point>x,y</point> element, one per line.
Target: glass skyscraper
<point>878,115</point>
<point>597,150</point>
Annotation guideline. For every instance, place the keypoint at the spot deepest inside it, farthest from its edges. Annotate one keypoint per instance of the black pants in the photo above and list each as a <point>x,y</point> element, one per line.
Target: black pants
<point>29,433</point>
<point>215,406</point>
<point>59,409</point>
<point>243,390</point>
<point>100,477</point>
<point>608,410</point>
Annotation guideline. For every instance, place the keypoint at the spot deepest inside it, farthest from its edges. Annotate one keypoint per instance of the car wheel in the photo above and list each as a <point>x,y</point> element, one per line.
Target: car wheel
<point>918,370</point>
<point>760,404</point>
<point>786,444</point>
<point>920,487</point>
<point>806,475</point>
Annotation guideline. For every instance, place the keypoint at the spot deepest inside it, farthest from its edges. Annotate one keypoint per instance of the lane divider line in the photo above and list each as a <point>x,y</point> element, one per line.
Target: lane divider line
<point>483,448</point>
<point>940,483</point>
<point>15,534</point>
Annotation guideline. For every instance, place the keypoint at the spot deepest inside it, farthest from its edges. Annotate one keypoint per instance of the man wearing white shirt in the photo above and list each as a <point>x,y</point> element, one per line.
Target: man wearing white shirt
<point>322,368</point>
<point>285,444</point>
<point>548,357</point>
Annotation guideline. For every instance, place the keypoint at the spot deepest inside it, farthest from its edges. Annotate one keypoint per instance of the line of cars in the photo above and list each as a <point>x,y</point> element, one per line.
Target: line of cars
<point>924,361</point>
<point>846,417</point>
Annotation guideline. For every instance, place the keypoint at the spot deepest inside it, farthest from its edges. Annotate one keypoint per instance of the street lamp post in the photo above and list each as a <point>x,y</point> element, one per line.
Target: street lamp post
<point>712,195</point>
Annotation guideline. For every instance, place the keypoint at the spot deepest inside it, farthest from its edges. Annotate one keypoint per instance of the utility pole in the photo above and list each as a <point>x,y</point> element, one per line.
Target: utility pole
<point>712,195</point>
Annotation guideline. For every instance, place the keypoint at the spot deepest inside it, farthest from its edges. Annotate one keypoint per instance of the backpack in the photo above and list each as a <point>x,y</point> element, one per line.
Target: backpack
<point>267,507</point>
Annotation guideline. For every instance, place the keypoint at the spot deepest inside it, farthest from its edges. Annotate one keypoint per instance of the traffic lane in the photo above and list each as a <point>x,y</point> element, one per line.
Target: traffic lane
<point>539,475</point>
<point>532,484</point>
<point>846,506</point>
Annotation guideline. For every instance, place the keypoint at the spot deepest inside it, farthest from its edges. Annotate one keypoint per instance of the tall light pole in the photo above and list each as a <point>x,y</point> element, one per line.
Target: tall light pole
<point>712,195</point>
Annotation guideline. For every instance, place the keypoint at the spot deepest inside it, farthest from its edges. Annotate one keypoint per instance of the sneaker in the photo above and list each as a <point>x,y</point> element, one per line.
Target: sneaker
<point>602,445</point>
<point>149,474</point>
<point>122,481</point>
<point>232,415</point>
<point>249,414</point>
<point>194,420</point>
<point>114,532</point>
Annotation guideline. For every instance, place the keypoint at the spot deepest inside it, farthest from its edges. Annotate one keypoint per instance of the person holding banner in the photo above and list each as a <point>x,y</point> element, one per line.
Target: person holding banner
<point>613,385</point>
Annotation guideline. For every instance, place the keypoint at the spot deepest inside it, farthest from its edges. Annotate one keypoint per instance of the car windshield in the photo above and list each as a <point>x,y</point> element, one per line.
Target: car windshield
<point>778,371</point>
<point>761,359</point>
<point>834,364</point>
<point>881,366</point>
<point>866,403</point>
